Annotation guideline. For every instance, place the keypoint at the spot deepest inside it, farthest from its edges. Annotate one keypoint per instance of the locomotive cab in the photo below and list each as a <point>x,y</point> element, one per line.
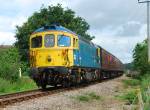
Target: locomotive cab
<point>51,56</point>
<point>51,49</point>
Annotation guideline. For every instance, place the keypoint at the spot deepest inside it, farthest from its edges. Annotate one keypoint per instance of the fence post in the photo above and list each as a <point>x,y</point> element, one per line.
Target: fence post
<point>141,104</point>
<point>20,73</point>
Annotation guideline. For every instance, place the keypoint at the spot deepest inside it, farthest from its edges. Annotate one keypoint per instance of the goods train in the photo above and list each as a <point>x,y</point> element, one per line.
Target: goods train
<point>58,56</point>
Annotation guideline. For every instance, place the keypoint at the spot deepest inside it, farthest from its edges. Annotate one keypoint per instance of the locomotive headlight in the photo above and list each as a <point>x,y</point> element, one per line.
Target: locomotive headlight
<point>49,58</point>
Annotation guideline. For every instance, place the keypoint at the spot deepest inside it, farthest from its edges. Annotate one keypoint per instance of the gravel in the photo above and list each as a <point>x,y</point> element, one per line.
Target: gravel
<point>67,101</point>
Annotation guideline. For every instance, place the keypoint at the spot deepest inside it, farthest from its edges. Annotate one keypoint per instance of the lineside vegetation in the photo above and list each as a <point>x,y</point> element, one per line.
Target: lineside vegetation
<point>140,83</point>
<point>9,72</point>
<point>13,58</point>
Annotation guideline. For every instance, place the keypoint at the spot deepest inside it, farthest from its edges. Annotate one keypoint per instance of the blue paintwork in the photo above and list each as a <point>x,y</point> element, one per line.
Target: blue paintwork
<point>88,55</point>
<point>54,28</point>
<point>76,57</point>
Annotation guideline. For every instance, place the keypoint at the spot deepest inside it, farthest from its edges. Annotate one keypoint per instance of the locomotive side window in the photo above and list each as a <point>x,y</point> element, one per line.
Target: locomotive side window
<point>36,42</point>
<point>74,42</point>
<point>49,40</point>
<point>77,43</point>
<point>64,41</point>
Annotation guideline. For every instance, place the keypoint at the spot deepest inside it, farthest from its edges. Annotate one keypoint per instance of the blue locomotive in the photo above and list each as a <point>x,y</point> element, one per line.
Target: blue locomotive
<point>59,56</point>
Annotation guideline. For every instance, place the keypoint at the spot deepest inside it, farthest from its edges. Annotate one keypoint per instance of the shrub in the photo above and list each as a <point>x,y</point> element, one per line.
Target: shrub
<point>9,64</point>
<point>25,68</point>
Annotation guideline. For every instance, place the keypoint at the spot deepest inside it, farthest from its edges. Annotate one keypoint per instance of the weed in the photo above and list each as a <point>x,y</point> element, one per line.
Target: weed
<point>86,97</point>
<point>92,95</point>
<point>83,98</point>
<point>130,97</point>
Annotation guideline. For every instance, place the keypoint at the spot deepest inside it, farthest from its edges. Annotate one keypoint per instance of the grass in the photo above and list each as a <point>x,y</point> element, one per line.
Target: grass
<point>131,82</point>
<point>143,84</point>
<point>129,96</point>
<point>22,84</point>
<point>145,89</point>
<point>86,97</point>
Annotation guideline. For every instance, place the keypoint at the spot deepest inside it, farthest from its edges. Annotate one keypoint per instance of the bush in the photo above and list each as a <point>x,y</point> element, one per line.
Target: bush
<point>25,68</point>
<point>140,58</point>
<point>9,64</point>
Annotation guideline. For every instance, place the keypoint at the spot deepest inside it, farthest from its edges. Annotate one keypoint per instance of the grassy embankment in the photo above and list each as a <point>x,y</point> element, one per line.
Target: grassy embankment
<point>135,88</point>
<point>23,84</point>
<point>9,72</point>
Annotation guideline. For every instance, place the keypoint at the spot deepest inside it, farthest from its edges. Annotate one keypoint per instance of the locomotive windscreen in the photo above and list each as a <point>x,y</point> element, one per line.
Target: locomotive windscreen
<point>49,40</point>
<point>64,41</point>
<point>36,42</point>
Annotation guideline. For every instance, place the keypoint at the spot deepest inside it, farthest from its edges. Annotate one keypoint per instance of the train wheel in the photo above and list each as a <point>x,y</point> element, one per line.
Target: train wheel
<point>44,80</point>
<point>66,83</point>
<point>110,75</point>
<point>43,85</point>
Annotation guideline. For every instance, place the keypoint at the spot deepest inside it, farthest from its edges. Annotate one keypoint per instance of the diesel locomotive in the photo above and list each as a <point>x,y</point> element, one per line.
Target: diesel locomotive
<point>58,56</point>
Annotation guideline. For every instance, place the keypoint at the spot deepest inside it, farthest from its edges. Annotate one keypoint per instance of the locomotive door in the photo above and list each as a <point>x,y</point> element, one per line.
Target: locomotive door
<point>76,52</point>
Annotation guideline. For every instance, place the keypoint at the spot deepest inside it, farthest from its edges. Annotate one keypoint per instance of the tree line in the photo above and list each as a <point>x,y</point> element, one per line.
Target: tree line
<point>140,58</point>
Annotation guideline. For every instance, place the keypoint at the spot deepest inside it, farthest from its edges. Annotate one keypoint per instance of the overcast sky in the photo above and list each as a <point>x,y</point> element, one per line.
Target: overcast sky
<point>117,24</point>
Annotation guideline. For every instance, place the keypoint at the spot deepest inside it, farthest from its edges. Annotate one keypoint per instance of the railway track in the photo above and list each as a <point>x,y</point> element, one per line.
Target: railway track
<point>9,99</point>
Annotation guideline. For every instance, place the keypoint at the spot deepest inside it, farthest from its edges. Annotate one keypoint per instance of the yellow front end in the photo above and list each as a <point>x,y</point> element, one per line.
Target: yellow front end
<point>52,49</point>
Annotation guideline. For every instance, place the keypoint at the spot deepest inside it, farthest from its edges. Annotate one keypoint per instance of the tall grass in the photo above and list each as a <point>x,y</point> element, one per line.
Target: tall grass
<point>22,84</point>
<point>143,83</point>
<point>145,88</point>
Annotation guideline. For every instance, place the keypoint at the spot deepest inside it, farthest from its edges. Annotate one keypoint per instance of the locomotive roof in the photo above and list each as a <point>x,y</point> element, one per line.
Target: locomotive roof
<point>57,27</point>
<point>54,28</point>
<point>61,28</point>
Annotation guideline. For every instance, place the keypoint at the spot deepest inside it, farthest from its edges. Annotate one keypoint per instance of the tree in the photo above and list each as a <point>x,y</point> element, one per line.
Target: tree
<point>48,16</point>
<point>140,57</point>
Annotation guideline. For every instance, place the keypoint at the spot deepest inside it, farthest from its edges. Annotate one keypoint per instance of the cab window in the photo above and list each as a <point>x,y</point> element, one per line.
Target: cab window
<point>64,41</point>
<point>49,40</point>
<point>75,42</point>
<point>36,42</point>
